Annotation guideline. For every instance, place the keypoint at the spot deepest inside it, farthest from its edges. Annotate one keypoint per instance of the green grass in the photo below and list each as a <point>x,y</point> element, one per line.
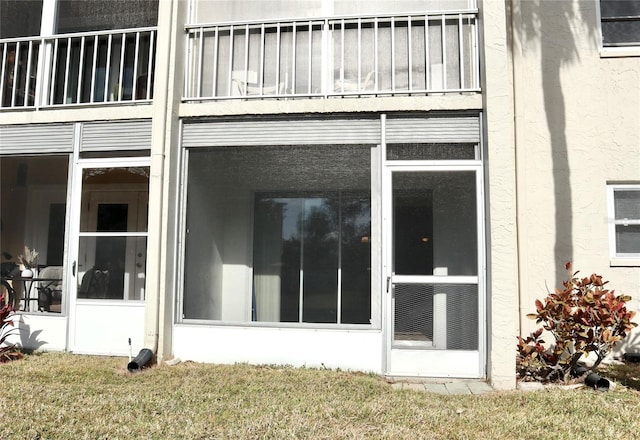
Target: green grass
<point>63,396</point>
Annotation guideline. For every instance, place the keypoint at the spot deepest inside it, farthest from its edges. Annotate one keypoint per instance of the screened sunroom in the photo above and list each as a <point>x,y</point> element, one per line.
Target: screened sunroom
<point>358,240</point>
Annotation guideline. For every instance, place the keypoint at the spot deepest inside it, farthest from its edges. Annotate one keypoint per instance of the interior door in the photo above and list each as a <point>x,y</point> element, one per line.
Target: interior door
<point>107,308</point>
<point>434,271</point>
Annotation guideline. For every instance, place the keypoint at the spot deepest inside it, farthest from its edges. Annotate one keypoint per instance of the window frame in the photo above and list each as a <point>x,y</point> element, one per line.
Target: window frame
<point>613,51</point>
<point>616,258</point>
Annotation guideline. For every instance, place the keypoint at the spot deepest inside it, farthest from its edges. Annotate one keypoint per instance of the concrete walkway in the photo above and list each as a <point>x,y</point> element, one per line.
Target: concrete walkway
<point>462,387</point>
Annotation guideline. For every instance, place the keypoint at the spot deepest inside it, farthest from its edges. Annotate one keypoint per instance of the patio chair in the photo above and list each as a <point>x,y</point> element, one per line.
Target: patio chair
<point>94,284</point>
<point>350,85</point>
<point>50,292</point>
<point>246,84</point>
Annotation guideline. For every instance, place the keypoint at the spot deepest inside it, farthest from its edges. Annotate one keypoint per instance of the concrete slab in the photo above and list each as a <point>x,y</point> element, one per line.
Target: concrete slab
<point>438,388</point>
<point>479,387</point>
<point>455,387</point>
<point>458,388</point>
<point>413,386</point>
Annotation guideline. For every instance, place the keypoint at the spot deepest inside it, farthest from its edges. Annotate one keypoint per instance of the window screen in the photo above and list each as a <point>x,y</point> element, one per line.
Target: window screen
<point>620,21</point>
<point>278,234</point>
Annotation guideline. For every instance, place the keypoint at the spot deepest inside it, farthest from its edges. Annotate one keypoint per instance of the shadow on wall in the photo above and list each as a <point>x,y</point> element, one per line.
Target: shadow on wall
<point>28,339</point>
<point>550,26</point>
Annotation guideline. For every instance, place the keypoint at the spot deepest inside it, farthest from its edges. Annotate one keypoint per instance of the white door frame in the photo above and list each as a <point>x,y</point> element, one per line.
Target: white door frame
<point>126,317</point>
<point>432,362</point>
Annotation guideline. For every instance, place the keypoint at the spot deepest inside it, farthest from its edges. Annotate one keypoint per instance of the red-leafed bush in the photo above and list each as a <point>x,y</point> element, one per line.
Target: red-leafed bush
<point>582,317</point>
<point>8,352</point>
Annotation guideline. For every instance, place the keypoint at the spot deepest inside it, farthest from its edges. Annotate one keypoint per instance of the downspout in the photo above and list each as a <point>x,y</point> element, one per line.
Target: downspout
<point>163,104</point>
<point>517,161</point>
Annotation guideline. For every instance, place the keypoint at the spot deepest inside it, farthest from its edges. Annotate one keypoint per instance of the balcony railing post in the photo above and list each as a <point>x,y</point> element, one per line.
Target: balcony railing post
<point>107,70</point>
<point>444,52</point>
<point>230,70</point>
<point>200,60</point>
<point>325,71</point>
<point>427,58</point>
<point>3,72</point>
<point>410,53</point>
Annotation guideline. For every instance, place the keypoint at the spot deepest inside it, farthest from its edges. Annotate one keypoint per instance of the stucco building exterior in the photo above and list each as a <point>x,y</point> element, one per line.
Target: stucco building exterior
<point>379,186</point>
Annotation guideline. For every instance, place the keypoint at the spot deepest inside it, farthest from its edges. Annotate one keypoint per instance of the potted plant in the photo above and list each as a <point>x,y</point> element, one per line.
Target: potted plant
<point>28,262</point>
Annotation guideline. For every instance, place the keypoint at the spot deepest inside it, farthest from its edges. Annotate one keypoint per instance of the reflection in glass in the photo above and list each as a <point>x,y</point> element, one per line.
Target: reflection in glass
<point>117,269</point>
<point>316,239</point>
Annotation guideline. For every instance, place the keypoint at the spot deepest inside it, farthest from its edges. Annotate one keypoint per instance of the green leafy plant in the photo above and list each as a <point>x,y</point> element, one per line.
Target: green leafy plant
<point>583,317</point>
<point>8,351</point>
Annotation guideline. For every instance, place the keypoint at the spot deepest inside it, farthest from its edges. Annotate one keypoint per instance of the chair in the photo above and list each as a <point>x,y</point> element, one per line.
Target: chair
<point>350,85</point>
<point>50,292</point>
<point>246,84</point>
<point>94,284</point>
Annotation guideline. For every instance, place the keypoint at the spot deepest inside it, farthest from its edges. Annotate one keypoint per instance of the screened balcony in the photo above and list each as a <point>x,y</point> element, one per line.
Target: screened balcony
<point>102,67</point>
<point>412,54</point>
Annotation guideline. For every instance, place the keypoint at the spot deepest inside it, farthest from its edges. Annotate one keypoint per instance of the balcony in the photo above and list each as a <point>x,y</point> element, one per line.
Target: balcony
<point>77,69</point>
<point>412,54</point>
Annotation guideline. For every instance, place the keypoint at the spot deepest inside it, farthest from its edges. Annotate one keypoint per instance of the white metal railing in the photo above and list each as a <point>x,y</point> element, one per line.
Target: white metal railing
<point>81,68</point>
<point>413,53</point>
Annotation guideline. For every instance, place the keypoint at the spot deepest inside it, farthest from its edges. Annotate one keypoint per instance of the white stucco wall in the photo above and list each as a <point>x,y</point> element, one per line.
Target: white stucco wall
<point>578,127</point>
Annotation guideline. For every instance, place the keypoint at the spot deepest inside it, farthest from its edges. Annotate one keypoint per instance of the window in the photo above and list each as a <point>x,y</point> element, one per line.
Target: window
<point>95,15</point>
<point>620,23</point>
<point>278,234</point>
<point>19,18</point>
<point>312,258</point>
<point>33,194</point>
<point>624,221</point>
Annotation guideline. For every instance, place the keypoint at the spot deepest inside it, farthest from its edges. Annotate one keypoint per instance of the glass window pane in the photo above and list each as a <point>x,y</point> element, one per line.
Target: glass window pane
<point>627,204</point>
<point>114,199</point>
<point>628,239</point>
<point>435,223</point>
<point>620,22</point>
<point>277,259</point>
<point>112,268</point>
<point>111,265</point>
<point>320,259</point>
<point>356,258</point>
<point>621,32</point>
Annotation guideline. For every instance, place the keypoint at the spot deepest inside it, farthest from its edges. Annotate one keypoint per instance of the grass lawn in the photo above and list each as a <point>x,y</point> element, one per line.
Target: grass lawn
<point>64,396</point>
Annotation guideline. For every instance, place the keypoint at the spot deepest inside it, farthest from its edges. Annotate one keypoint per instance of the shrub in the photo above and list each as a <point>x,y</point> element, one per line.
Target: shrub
<point>582,317</point>
<point>8,352</point>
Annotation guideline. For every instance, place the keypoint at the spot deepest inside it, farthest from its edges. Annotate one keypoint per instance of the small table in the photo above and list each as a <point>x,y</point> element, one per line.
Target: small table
<point>28,286</point>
